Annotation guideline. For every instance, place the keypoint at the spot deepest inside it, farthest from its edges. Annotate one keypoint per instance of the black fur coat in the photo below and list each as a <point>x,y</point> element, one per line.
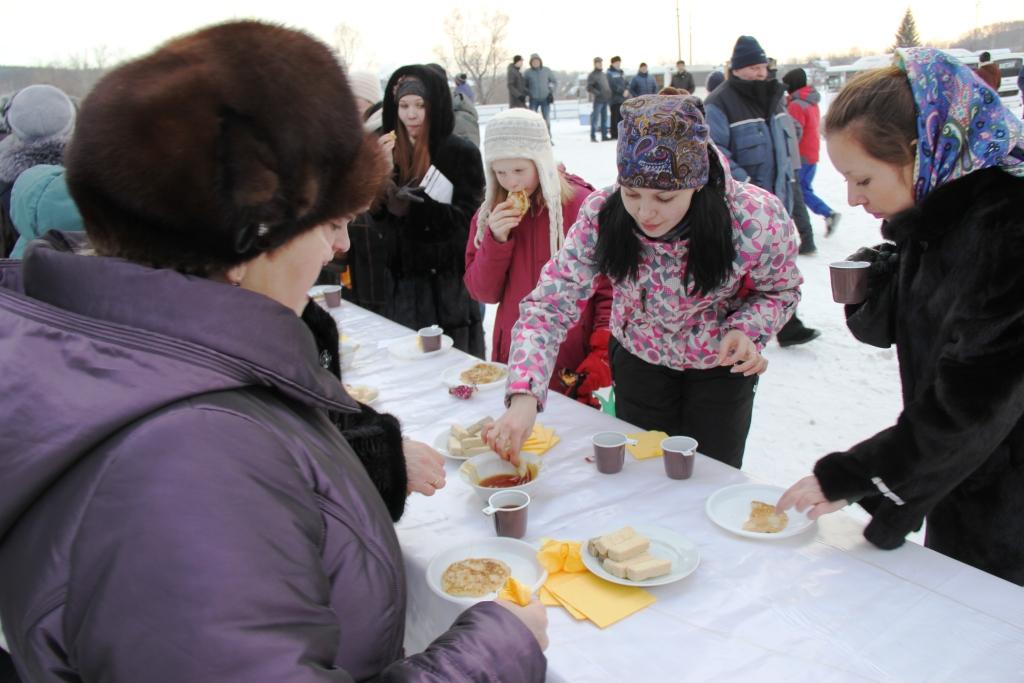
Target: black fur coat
<point>956,454</point>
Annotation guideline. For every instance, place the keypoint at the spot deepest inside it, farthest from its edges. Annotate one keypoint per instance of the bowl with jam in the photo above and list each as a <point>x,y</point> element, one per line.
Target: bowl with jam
<point>487,473</point>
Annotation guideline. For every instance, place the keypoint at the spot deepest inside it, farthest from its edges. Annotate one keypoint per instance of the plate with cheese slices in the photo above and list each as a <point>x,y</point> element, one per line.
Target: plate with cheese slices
<point>461,443</point>
<point>641,555</point>
<point>748,510</point>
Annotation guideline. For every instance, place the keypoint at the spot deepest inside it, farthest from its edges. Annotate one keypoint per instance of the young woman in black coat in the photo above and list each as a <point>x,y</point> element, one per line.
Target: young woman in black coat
<point>929,149</point>
<point>427,260</point>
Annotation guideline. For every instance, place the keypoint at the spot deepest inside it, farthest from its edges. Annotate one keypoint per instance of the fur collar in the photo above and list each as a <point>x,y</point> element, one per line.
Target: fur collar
<point>16,156</point>
<point>982,193</point>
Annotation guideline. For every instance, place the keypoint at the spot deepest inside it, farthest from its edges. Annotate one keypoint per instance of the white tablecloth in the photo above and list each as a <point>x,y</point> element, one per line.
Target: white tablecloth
<point>821,606</point>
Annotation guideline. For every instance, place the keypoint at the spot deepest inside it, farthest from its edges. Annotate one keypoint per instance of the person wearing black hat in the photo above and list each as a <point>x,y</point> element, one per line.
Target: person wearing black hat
<point>683,79</point>
<point>617,83</point>
<point>803,107</point>
<point>516,83</point>
<point>750,126</point>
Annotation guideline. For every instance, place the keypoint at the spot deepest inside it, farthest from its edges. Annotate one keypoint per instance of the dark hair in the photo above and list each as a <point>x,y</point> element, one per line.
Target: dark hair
<point>643,63</point>
<point>877,108</point>
<point>711,250</point>
<point>616,58</point>
<point>517,58</point>
<point>985,56</point>
<point>680,62</point>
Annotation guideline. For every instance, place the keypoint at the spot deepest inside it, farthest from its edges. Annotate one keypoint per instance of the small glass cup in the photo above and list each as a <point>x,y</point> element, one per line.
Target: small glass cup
<point>509,510</point>
<point>679,454</point>
<point>610,451</point>
<point>430,338</point>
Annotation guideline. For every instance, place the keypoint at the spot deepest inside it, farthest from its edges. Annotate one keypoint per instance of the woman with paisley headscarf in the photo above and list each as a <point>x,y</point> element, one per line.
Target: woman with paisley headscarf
<point>930,150</point>
<point>703,274</point>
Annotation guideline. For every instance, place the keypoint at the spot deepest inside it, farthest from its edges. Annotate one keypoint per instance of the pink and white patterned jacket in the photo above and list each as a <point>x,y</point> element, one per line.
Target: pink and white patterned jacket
<point>654,317</point>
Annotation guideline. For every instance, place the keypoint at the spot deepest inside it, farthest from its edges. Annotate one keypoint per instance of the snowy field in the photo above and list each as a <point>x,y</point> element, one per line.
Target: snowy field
<point>816,398</point>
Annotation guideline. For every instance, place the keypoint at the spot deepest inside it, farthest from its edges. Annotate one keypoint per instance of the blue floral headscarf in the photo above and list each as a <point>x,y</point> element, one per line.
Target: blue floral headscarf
<point>962,126</point>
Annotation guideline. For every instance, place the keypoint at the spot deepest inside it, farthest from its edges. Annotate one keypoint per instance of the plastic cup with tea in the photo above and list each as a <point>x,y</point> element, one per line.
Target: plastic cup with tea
<point>849,281</point>
<point>509,510</point>
<point>610,451</point>
<point>680,452</point>
<point>430,338</point>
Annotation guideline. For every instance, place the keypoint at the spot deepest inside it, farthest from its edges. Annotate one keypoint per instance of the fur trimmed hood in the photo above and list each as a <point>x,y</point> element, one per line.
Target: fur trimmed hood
<point>439,102</point>
<point>17,156</point>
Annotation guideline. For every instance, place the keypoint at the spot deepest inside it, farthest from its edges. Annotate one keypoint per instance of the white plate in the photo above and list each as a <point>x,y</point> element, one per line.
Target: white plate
<point>440,444</point>
<point>521,557</point>
<point>451,376</point>
<point>406,348</point>
<point>729,508</point>
<point>665,543</point>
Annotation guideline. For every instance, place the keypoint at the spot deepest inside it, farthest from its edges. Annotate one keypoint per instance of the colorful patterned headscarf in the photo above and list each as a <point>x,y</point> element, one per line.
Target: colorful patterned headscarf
<point>663,143</point>
<point>962,126</point>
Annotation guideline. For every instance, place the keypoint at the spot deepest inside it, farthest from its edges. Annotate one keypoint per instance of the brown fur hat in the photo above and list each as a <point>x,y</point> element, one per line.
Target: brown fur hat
<point>220,145</point>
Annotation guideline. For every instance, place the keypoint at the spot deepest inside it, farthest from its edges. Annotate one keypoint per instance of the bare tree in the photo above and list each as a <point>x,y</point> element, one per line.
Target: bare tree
<point>476,47</point>
<point>346,43</point>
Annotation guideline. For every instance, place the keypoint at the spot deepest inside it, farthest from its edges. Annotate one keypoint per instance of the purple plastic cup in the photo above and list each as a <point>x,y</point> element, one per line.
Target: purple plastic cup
<point>430,338</point>
<point>679,454</point>
<point>610,451</point>
<point>332,296</point>
<point>509,510</point>
<point>849,281</point>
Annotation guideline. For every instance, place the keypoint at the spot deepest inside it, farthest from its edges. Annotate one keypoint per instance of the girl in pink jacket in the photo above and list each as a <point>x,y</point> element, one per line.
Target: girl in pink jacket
<point>509,245</point>
<point>679,239</point>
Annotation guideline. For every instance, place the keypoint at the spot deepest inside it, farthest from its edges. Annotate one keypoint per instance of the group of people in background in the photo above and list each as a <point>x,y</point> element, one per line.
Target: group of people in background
<point>231,486</point>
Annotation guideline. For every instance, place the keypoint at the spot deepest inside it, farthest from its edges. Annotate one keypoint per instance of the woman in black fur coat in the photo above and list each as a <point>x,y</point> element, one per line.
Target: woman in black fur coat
<point>929,149</point>
<point>427,258</point>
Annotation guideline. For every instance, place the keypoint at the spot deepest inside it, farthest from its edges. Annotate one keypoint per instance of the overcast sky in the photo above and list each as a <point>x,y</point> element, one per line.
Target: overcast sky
<point>567,34</point>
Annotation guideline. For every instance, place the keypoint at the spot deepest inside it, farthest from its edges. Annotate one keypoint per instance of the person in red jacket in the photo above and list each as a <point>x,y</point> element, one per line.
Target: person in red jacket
<point>508,247</point>
<point>802,105</point>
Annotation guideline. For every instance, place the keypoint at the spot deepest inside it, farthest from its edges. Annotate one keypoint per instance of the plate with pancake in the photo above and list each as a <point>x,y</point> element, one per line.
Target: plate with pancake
<point>665,544</point>
<point>480,375</point>
<point>474,571</point>
<point>748,510</point>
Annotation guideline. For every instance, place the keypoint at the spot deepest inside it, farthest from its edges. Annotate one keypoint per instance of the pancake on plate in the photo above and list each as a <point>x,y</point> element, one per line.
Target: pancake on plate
<point>482,373</point>
<point>474,577</point>
<point>764,519</point>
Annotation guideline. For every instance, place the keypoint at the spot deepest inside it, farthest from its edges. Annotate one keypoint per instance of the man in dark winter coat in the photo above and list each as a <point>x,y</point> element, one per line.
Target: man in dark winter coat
<point>617,83</point>
<point>601,94</point>
<point>516,83</point>
<point>642,83</point>
<point>540,86</point>
<point>750,126</point>
<point>682,78</point>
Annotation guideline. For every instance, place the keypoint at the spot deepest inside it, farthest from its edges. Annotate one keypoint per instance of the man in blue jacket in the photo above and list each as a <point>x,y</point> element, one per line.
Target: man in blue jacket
<point>643,83</point>
<point>748,119</point>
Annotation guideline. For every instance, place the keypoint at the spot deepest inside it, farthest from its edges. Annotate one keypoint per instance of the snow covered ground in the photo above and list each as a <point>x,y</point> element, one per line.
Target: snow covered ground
<point>814,399</point>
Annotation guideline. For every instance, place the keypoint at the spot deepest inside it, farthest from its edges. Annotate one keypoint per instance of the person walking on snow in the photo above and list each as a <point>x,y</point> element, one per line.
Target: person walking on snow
<point>601,93</point>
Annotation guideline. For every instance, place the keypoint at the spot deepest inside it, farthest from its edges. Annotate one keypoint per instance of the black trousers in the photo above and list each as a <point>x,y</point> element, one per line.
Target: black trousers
<point>713,406</point>
<point>616,110</point>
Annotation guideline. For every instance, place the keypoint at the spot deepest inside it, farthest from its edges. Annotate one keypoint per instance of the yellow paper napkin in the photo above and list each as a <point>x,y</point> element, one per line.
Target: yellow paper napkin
<point>603,602</point>
<point>560,556</point>
<point>541,440</point>
<point>550,599</point>
<point>648,444</point>
<point>516,592</point>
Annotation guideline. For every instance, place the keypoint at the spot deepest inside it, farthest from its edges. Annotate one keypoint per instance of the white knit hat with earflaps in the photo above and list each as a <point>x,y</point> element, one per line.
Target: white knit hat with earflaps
<point>522,134</point>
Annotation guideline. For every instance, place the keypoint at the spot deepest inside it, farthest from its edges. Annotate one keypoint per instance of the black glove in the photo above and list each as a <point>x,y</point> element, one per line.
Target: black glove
<point>884,259</point>
<point>399,198</point>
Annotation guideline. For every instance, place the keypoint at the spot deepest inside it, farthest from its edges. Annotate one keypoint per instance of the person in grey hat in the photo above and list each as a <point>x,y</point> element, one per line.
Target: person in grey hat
<point>39,119</point>
<point>601,92</point>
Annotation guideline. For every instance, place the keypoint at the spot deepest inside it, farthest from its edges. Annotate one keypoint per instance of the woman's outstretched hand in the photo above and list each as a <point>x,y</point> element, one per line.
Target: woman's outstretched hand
<point>738,351</point>
<point>507,436</point>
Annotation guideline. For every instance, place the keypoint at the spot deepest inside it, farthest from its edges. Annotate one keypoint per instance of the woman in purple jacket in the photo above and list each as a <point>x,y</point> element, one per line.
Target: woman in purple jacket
<point>179,505</point>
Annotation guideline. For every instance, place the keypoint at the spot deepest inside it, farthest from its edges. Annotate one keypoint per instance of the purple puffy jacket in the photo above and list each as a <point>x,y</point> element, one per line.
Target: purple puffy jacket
<point>177,505</point>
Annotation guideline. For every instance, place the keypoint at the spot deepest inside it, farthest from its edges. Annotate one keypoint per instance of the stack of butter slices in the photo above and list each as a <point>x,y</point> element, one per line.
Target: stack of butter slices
<point>625,554</point>
<point>465,442</point>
